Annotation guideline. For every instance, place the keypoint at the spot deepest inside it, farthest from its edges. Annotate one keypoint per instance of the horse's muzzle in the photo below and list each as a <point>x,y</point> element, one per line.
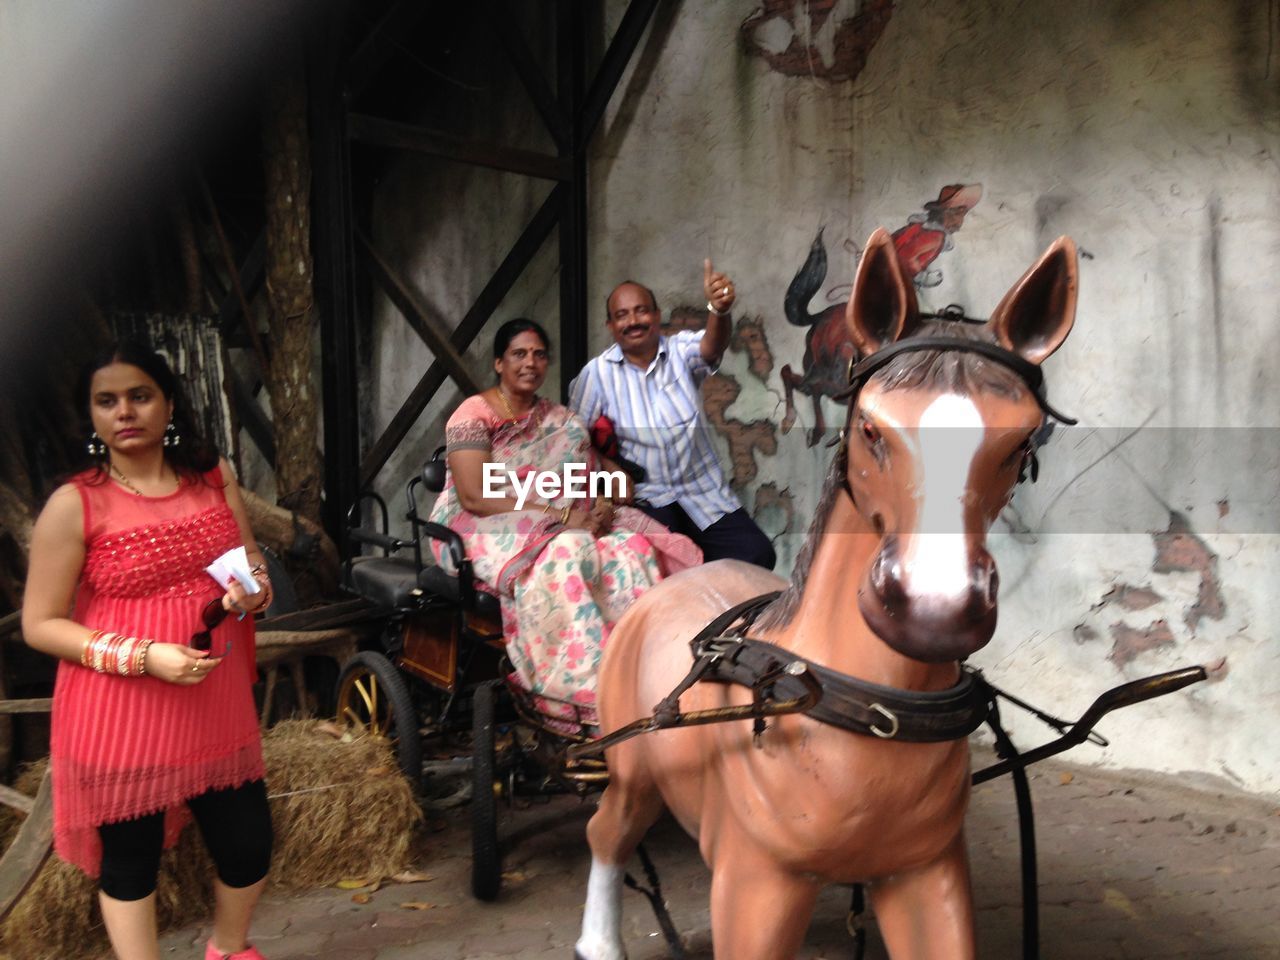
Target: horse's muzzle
<point>925,626</point>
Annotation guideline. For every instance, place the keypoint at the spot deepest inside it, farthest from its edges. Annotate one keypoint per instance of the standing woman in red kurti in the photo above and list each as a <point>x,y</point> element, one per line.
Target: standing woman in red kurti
<point>153,712</point>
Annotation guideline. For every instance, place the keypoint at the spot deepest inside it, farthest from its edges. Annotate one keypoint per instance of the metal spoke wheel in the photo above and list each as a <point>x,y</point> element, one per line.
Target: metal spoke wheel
<point>486,858</point>
<point>372,698</point>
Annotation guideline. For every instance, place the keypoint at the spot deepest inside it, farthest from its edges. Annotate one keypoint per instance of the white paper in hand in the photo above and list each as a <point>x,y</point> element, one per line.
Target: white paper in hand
<point>233,565</point>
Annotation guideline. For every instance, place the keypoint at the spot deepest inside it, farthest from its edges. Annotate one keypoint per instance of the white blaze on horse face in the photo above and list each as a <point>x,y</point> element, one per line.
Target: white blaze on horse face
<point>601,937</point>
<point>936,560</point>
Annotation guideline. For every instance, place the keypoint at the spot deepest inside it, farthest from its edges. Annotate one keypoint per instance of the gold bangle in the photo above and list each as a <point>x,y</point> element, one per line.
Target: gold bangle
<point>100,652</point>
<point>111,661</point>
<point>143,647</point>
<point>564,517</point>
<point>86,654</point>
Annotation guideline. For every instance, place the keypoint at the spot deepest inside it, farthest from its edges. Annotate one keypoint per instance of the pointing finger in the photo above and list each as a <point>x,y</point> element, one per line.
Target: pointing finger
<point>706,271</point>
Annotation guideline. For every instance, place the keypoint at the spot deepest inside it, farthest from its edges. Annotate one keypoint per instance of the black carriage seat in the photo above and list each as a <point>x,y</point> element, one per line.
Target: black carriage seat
<point>403,582</point>
<point>440,581</point>
<point>397,583</point>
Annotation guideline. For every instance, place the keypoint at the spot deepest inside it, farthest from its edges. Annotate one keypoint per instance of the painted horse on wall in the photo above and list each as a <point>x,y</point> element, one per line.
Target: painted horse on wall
<point>894,587</point>
<point>828,346</point>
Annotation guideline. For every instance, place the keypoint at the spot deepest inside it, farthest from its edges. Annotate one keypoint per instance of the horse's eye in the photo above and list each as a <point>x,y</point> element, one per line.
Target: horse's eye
<point>870,432</point>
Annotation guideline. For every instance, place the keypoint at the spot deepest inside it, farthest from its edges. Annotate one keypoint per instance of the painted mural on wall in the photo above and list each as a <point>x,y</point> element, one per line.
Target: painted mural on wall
<point>827,346</point>
<point>826,39</point>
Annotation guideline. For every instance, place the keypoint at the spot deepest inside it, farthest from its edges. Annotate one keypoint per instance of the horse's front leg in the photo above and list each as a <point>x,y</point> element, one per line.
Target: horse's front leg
<point>819,421</point>
<point>927,913</point>
<point>758,910</point>
<point>788,385</point>
<point>626,811</point>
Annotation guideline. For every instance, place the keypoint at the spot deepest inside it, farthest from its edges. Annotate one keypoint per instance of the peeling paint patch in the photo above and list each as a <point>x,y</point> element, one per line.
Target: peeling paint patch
<point>750,335</point>
<point>1131,597</point>
<point>1178,549</point>
<point>718,393</point>
<point>1208,604</point>
<point>1084,633</point>
<point>1131,642</point>
<point>772,504</point>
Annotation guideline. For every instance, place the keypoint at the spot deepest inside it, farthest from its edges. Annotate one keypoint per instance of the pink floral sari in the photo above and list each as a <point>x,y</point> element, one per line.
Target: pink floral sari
<point>561,590</point>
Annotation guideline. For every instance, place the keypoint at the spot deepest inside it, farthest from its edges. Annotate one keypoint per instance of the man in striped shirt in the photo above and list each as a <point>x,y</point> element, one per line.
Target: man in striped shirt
<point>648,385</point>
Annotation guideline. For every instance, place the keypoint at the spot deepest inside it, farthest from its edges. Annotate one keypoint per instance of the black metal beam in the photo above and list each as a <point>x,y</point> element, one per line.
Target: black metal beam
<point>499,285</point>
<point>382,41</point>
<point>571,56</point>
<point>406,301</point>
<point>333,264</point>
<point>531,76</point>
<point>405,136</point>
<point>251,417</point>
<point>625,40</point>
<point>252,272</point>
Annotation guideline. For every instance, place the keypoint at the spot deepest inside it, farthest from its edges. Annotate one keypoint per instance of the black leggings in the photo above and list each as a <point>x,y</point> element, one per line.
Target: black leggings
<point>235,824</point>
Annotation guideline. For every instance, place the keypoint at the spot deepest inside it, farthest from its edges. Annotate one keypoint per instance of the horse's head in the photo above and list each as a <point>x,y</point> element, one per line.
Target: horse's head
<point>937,439</point>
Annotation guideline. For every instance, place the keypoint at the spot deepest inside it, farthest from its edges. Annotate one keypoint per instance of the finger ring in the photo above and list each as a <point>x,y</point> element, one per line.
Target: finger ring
<point>195,668</point>
<point>725,291</point>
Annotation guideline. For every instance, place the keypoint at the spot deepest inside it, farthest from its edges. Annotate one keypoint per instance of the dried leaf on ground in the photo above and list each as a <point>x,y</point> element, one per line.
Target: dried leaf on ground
<point>411,876</point>
<point>367,884</point>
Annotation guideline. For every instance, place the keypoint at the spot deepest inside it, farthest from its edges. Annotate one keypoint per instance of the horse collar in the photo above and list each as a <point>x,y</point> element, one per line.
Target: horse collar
<point>723,653</point>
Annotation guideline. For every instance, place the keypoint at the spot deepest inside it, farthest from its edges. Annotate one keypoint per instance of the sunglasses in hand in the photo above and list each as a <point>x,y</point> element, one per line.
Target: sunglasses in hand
<point>212,615</point>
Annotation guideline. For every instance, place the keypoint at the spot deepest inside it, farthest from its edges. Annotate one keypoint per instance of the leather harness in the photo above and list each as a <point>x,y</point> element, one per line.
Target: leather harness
<point>851,704</point>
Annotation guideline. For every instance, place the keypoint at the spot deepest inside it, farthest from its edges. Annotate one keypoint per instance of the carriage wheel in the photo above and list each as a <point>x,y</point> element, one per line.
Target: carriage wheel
<point>486,858</point>
<point>372,698</point>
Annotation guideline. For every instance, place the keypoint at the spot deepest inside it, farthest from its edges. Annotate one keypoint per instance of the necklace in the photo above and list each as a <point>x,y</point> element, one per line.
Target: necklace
<point>507,404</point>
<point>125,480</point>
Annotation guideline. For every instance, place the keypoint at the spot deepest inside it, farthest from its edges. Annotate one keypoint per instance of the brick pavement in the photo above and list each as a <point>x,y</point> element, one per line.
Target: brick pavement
<point>1132,866</point>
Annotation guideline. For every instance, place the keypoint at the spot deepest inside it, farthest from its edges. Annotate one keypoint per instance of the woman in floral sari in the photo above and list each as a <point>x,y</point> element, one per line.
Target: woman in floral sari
<point>564,568</point>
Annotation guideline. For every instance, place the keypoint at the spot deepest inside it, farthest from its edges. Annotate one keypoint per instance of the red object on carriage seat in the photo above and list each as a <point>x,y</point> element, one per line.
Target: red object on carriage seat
<point>603,437</point>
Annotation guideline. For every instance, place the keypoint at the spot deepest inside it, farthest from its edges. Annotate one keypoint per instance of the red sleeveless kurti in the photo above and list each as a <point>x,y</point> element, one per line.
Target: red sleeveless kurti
<point>123,747</point>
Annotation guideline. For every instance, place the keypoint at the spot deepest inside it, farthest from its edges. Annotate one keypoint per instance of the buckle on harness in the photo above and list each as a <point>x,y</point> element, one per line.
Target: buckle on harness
<point>888,715</point>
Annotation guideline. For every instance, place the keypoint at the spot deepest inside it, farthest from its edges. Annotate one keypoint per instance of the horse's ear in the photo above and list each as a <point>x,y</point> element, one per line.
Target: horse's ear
<point>883,306</point>
<point>1036,314</point>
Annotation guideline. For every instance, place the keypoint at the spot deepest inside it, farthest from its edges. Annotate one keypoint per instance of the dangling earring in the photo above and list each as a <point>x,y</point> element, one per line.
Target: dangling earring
<point>171,436</point>
<point>95,446</point>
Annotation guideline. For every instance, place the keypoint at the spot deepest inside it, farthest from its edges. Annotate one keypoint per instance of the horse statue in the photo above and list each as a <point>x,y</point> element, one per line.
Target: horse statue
<point>893,588</point>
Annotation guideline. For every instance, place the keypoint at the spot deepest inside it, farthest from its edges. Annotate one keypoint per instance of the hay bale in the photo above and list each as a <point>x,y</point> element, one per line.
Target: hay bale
<point>340,810</point>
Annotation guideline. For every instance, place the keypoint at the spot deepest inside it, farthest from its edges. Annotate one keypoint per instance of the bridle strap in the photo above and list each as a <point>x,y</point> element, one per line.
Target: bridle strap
<point>1030,374</point>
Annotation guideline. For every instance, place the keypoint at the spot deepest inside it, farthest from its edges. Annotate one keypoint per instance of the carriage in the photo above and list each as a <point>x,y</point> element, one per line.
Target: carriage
<point>436,673</point>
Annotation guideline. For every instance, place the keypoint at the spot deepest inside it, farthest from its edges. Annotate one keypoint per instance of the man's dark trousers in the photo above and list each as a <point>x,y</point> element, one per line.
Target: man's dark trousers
<point>734,536</point>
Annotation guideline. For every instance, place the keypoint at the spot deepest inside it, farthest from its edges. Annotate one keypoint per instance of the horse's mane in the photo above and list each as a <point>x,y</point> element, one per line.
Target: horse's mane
<point>957,370</point>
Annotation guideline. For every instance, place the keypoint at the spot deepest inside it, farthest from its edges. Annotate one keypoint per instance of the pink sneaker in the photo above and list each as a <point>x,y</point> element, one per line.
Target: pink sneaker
<point>250,952</point>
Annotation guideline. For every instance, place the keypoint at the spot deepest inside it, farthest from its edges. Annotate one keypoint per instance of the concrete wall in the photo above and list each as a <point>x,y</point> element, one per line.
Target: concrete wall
<point>1148,131</point>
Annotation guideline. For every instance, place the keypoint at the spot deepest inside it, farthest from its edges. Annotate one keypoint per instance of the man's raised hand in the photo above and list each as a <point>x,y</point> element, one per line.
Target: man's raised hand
<point>718,288</point>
